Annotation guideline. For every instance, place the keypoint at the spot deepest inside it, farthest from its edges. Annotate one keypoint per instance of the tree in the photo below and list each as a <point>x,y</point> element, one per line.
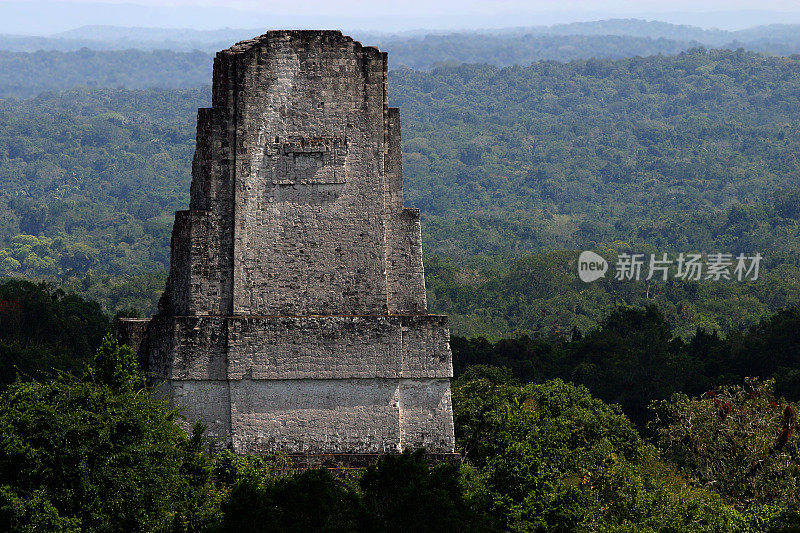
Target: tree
<point>117,366</point>
<point>75,453</point>
<point>738,439</point>
<point>44,329</point>
<point>310,501</point>
<point>554,458</point>
<point>405,493</point>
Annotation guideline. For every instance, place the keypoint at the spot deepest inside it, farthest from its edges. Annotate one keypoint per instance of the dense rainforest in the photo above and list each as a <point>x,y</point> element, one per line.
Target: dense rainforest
<point>510,166</point>
<point>617,405</point>
<point>86,446</point>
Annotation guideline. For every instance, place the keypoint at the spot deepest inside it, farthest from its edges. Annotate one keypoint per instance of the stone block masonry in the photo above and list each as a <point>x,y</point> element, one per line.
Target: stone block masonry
<point>294,317</point>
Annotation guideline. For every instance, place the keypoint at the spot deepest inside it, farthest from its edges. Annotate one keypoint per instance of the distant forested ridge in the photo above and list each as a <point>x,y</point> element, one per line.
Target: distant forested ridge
<point>26,74</point>
<point>502,50</point>
<point>100,56</point>
<point>124,38</point>
<point>695,152</point>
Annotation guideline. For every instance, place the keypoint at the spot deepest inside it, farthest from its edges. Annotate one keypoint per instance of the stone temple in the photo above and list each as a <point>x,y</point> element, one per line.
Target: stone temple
<point>294,317</point>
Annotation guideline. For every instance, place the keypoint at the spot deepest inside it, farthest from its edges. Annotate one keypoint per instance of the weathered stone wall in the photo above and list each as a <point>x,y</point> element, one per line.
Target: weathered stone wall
<point>132,331</point>
<point>313,415</point>
<point>205,400</point>
<point>312,363</point>
<point>300,155</point>
<point>294,316</point>
<point>341,415</point>
<point>213,347</point>
<point>313,106</point>
<point>405,275</point>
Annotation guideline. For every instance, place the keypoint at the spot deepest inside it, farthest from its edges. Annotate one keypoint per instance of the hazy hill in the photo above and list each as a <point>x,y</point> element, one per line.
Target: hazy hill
<point>25,74</point>
<point>502,50</point>
<point>176,35</point>
<point>636,28</point>
<point>115,38</point>
<point>108,56</point>
<point>626,27</point>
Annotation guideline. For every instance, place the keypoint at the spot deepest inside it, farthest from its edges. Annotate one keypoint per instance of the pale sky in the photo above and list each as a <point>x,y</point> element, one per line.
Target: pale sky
<point>44,17</point>
<point>475,6</point>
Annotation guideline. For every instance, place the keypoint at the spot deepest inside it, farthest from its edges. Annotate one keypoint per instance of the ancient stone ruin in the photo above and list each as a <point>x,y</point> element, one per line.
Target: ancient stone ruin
<point>294,317</point>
